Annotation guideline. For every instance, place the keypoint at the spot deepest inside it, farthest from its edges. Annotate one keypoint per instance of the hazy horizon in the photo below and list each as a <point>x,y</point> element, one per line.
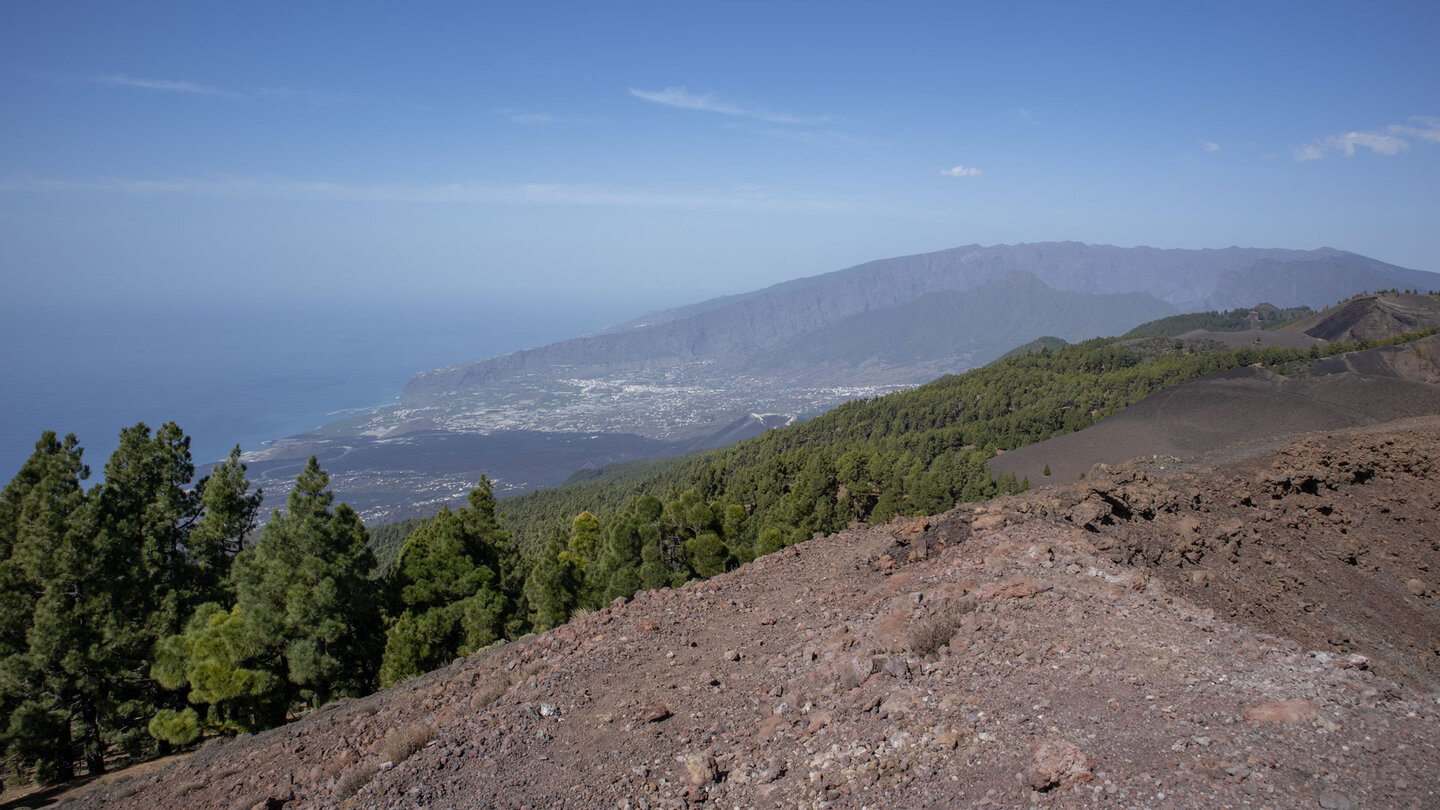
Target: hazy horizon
<point>249,166</point>
<point>685,152</point>
<point>242,374</point>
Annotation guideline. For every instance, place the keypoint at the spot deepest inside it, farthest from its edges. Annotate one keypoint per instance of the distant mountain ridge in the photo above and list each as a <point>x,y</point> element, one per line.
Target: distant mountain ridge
<point>940,332</point>
<point>732,368</point>
<point>777,326</point>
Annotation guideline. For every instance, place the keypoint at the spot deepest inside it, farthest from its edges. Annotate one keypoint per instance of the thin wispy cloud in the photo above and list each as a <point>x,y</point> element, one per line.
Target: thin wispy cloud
<point>1210,146</point>
<point>811,137</point>
<point>1387,142</point>
<point>162,85</point>
<point>126,81</point>
<point>541,118</point>
<point>319,99</point>
<point>682,98</point>
<point>961,171</point>
<point>1429,129</point>
<point>524,117</point>
<point>446,193</point>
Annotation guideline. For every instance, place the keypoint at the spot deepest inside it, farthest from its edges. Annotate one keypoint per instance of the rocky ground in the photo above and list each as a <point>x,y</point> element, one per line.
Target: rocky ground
<point>1332,540</point>
<point>1258,634</point>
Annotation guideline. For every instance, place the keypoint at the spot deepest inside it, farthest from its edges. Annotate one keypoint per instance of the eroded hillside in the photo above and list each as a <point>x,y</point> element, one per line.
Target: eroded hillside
<point>1133,641</point>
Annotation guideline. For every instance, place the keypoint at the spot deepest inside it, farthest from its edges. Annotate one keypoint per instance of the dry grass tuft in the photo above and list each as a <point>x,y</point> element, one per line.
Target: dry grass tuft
<point>123,788</point>
<point>928,636</point>
<point>356,778</point>
<point>490,691</point>
<point>400,745</point>
<point>533,669</point>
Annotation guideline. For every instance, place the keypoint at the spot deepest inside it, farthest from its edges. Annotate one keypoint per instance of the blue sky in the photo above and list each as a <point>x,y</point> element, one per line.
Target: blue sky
<point>644,154</point>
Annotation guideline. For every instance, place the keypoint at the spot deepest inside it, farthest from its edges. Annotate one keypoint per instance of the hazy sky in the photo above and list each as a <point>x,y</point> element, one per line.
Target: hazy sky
<point>252,150</point>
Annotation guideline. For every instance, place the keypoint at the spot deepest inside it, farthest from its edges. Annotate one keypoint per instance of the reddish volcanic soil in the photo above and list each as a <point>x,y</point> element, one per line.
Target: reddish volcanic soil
<point>1259,634</point>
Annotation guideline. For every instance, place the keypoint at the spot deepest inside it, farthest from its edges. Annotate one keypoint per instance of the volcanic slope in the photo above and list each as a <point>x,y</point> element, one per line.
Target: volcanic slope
<point>1225,411</point>
<point>1023,652</point>
<point>1369,317</point>
<point>1332,540</point>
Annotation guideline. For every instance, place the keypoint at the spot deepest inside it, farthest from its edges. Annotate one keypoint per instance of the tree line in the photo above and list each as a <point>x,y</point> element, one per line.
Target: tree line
<point>146,611</point>
<point>910,453</point>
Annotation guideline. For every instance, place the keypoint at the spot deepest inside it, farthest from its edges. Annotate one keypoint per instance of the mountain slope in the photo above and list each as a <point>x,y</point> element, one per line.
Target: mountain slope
<point>922,334</point>
<point>990,656</point>
<point>1255,405</point>
<point>1314,281</point>
<point>1260,316</point>
<point>729,330</point>
<point>805,346</point>
<point>1372,317</point>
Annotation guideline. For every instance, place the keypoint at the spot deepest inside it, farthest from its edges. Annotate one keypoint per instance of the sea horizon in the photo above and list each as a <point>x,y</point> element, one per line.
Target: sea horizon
<point>241,375</point>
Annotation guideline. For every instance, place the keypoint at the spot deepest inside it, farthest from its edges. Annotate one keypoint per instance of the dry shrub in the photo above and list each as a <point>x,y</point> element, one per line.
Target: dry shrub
<point>123,788</point>
<point>928,636</point>
<point>490,691</point>
<point>356,778</point>
<point>533,669</point>
<point>400,745</point>
<point>335,765</point>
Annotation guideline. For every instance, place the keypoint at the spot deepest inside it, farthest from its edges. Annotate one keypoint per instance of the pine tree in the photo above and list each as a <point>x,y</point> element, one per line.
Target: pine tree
<point>653,573</point>
<point>585,536</point>
<point>91,584</point>
<point>708,555</point>
<point>617,573</point>
<point>771,541</point>
<point>206,655</point>
<point>50,656</point>
<point>308,600</point>
<point>213,657</point>
<point>230,513</point>
<point>581,553</point>
<point>553,588</point>
<point>144,512</point>
<point>143,516</point>
<point>458,584</point>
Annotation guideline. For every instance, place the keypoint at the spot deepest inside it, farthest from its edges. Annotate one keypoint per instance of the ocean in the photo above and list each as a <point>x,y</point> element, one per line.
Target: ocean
<point>240,374</point>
